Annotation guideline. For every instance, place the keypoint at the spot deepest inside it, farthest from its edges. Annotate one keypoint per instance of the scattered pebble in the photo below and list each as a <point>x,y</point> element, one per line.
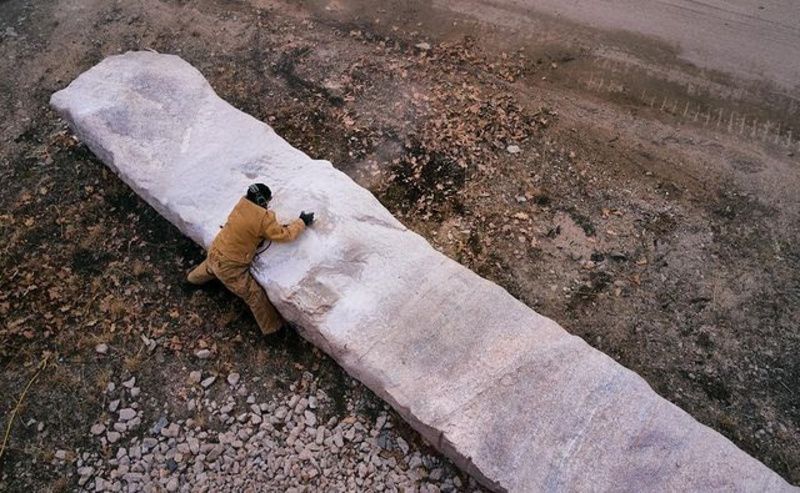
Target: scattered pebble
<point>294,442</point>
<point>402,445</point>
<point>195,377</point>
<point>311,418</point>
<point>159,425</point>
<point>202,354</point>
<point>171,431</point>
<point>208,382</point>
<point>101,348</point>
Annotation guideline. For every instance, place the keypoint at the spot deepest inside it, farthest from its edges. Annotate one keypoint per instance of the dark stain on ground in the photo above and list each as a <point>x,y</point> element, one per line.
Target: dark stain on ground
<point>89,262</point>
<point>423,175</point>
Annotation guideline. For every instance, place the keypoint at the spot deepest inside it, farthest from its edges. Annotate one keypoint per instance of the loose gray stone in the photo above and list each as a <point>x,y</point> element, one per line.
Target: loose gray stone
<point>320,435</point>
<point>171,431</point>
<point>215,453</point>
<point>402,445</point>
<point>281,412</point>
<point>101,348</point>
<point>208,382</point>
<point>301,405</point>
<point>158,426</point>
<point>311,418</point>
<point>233,379</point>
<point>383,441</point>
<point>338,440</point>
<point>98,429</point>
<point>202,354</point>
<point>126,414</point>
<point>509,395</point>
<point>113,436</point>
<point>195,377</point>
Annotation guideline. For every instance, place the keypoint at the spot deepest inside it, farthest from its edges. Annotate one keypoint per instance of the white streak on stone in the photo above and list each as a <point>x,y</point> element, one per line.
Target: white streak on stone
<point>187,137</point>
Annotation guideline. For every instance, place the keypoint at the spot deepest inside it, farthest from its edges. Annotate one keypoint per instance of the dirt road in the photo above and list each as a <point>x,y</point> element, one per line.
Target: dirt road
<point>647,203</point>
<point>755,40</point>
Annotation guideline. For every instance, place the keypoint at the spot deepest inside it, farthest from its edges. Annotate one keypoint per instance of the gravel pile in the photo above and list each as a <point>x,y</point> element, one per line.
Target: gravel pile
<point>233,442</point>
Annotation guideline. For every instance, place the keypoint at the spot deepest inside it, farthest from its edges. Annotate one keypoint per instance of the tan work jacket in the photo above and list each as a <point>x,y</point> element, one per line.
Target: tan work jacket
<point>248,224</point>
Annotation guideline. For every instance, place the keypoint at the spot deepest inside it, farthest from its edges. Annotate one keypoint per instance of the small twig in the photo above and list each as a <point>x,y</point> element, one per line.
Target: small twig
<point>14,412</point>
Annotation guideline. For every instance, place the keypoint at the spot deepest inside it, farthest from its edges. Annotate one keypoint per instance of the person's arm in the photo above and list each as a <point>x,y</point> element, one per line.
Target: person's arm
<point>274,231</point>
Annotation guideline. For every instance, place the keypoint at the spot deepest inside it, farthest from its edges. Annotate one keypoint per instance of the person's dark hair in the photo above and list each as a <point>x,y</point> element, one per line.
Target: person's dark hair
<point>260,194</point>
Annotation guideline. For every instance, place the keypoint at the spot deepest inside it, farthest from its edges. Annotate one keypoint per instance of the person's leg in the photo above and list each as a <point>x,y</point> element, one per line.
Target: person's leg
<point>200,274</point>
<point>239,281</point>
<point>267,317</point>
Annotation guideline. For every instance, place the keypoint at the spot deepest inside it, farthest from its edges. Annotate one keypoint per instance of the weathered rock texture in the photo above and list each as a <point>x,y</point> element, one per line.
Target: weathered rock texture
<point>506,393</point>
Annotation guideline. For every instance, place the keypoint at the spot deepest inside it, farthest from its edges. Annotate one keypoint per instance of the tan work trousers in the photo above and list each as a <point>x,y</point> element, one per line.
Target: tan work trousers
<point>237,278</point>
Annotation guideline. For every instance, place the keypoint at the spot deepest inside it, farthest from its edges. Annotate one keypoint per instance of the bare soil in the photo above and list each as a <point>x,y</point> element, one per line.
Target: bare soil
<point>665,238</point>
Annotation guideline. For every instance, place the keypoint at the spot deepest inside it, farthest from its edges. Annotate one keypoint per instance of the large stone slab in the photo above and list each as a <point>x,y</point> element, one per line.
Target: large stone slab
<point>506,393</point>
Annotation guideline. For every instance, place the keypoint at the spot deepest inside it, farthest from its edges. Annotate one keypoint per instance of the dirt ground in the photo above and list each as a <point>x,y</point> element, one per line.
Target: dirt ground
<point>654,215</point>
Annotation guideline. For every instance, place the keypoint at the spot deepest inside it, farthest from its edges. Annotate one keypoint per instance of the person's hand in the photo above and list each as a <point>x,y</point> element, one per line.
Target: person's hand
<point>307,217</point>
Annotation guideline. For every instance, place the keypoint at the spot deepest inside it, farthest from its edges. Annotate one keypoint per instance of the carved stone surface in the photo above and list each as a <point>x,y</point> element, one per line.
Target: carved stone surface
<point>506,393</point>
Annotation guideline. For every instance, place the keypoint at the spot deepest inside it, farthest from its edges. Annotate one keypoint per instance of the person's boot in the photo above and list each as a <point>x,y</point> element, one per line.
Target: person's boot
<point>200,274</point>
<point>279,337</point>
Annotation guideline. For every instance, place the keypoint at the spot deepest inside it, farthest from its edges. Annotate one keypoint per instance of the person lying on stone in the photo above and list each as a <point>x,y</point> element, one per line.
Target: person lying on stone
<point>249,224</point>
